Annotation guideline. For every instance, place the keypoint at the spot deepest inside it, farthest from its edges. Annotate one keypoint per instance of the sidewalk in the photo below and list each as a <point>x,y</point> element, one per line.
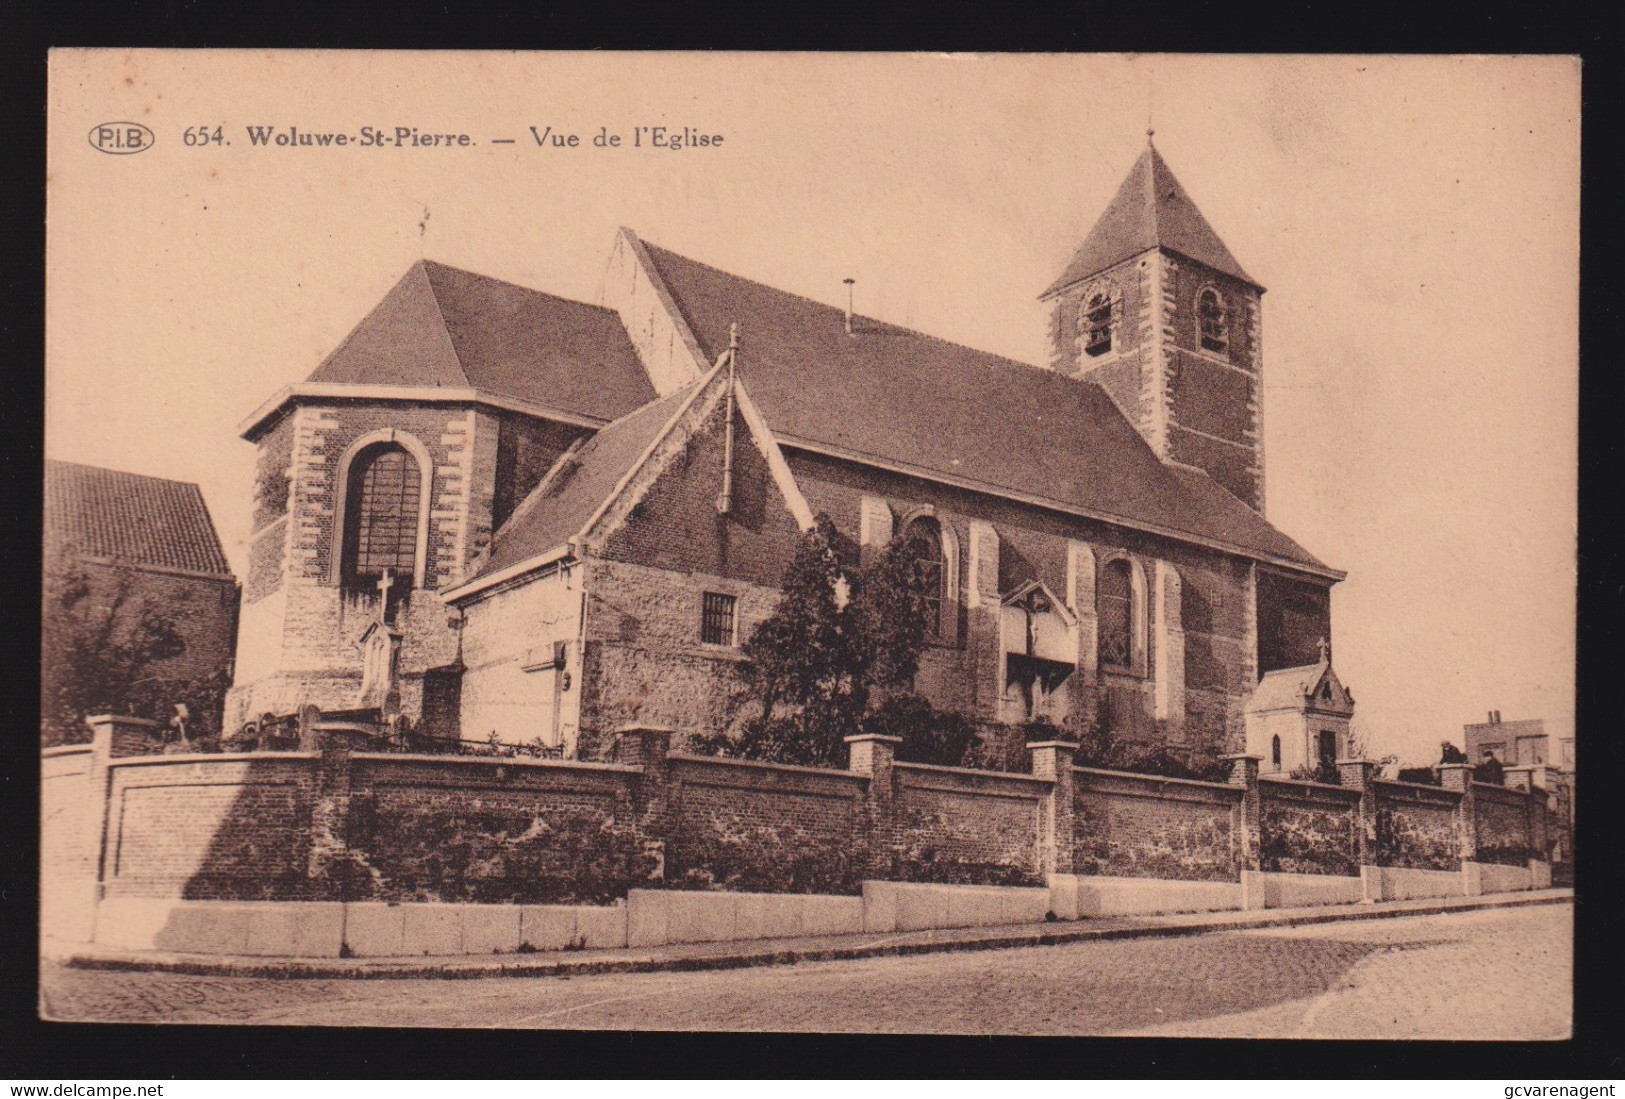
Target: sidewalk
<point>757,952</point>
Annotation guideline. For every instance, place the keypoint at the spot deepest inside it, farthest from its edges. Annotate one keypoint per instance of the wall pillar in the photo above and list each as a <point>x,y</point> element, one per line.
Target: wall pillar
<point>982,618</point>
<point>1052,759</point>
<point>1358,774</point>
<point>112,736</point>
<point>872,755</point>
<point>1530,779</point>
<point>1459,777</point>
<point>874,527</point>
<point>1247,827</point>
<point>647,746</point>
<point>1168,648</point>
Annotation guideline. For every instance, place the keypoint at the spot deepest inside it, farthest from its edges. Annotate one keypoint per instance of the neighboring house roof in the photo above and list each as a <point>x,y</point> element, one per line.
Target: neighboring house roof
<point>573,489</point>
<point>1150,210</point>
<point>903,399</point>
<point>442,327</point>
<point>130,518</point>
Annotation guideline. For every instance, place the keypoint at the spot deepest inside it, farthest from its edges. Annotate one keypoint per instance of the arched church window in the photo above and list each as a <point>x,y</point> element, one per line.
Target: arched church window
<point>1099,321</point>
<point>381,521</point>
<point>1212,320</point>
<point>1116,610</point>
<point>1275,751</point>
<point>923,537</point>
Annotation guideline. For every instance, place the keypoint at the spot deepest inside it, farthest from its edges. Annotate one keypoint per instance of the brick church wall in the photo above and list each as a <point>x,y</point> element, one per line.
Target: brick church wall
<point>302,645</point>
<point>1214,598</point>
<point>643,656</point>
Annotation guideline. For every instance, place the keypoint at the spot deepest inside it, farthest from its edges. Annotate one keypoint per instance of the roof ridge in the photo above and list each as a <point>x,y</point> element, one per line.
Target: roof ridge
<point>120,472</point>
<point>426,262</point>
<point>445,328</point>
<point>837,309</point>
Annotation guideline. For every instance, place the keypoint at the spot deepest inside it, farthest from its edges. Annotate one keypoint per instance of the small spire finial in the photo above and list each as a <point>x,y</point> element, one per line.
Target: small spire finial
<point>1150,136</point>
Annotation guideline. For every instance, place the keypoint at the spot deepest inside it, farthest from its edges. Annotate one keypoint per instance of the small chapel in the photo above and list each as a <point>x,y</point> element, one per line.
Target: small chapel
<point>495,513</point>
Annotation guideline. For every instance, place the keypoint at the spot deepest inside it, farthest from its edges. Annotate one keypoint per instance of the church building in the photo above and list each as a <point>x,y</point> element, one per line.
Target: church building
<point>495,510</point>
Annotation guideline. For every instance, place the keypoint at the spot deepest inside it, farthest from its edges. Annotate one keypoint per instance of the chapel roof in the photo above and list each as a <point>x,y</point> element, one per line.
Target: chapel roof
<point>1294,688</point>
<point>1150,210</point>
<point>444,327</point>
<point>900,398</point>
<point>130,518</point>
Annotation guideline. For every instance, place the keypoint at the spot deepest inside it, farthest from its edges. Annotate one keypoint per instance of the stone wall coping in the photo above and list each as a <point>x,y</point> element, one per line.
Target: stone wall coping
<point>123,719</point>
<point>873,738</point>
<point>1443,791</point>
<point>634,728</point>
<point>1506,795</point>
<point>1163,779</point>
<point>1241,755</point>
<point>496,761</point>
<point>972,772</point>
<point>793,768</point>
<point>65,750</point>
<point>1070,745</point>
<point>210,757</point>
<point>1309,786</point>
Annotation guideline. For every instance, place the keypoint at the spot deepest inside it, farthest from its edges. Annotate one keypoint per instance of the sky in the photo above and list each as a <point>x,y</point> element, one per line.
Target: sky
<point>1416,221</point>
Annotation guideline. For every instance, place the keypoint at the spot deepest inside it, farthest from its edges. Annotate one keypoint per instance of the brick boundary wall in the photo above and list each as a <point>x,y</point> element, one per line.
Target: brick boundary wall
<point>334,824</point>
<point>1143,826</point>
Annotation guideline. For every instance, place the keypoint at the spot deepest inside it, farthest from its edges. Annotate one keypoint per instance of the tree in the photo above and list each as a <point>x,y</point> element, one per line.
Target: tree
<point>102,647</point>
<point>839,638</point>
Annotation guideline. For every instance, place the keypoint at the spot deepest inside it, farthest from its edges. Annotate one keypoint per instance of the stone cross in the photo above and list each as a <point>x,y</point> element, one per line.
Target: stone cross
<point>1325,651</point>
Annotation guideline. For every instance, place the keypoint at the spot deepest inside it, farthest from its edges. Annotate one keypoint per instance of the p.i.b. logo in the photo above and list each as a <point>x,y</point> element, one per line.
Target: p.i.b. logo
<point>121,138</point>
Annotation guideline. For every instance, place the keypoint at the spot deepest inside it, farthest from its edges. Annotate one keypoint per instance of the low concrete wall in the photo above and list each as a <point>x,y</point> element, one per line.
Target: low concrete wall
<point>918,906</point>
<point>1079,896</point>
<point>1272,889</point>
<point>1489,877</point>
<point>1396,883</point>
<point>656,917</point>
<point>329,929</point>
<point>310,929</point>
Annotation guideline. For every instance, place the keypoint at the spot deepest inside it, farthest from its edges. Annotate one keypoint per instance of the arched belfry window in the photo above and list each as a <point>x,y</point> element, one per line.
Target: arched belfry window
<point>1098,320</point>
<point>923,537</point>
<point>1212,320</point>
<point>1116,611</point>
<point>1275,752</point>
<point>383,504</point>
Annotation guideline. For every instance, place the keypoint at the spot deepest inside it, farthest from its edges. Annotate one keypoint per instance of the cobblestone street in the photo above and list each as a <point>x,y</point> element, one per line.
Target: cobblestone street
<point>1478,975</point>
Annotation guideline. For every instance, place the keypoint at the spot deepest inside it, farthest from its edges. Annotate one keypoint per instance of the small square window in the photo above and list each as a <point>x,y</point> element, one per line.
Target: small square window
<point>717,619</point>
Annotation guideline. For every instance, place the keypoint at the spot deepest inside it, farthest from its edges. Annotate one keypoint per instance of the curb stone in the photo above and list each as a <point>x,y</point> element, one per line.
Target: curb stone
<point>691,957</point>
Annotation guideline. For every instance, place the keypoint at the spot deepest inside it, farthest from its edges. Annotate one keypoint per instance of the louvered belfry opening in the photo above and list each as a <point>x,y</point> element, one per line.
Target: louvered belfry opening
<point>381,522</point>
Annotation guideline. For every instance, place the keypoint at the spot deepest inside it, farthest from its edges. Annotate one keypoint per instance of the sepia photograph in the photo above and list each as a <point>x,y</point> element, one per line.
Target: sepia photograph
<point>925,544</point>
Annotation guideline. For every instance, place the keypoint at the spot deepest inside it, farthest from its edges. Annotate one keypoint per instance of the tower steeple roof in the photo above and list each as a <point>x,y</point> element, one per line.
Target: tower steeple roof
<point>1150,210</point>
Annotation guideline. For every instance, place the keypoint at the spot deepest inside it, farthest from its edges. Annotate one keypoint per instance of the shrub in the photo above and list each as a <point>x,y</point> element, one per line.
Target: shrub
<point>943,738</point>
<point>729,853</point>
<point>471,853</point>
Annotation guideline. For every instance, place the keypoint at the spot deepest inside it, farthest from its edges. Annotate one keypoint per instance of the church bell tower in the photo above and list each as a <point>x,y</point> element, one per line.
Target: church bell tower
<point>1155,309</point>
